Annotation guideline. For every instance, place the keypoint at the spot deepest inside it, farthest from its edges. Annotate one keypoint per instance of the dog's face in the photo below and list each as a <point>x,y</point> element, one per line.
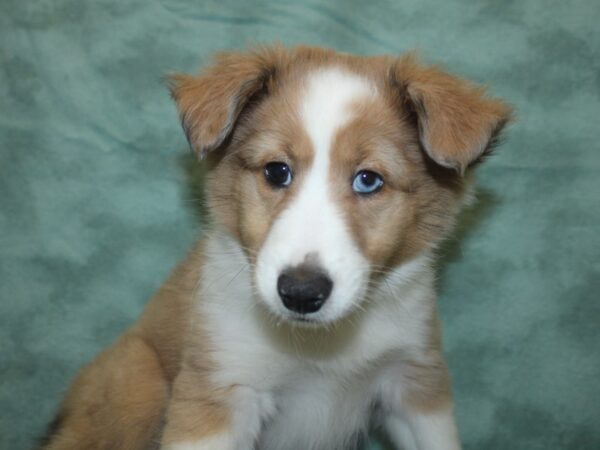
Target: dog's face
<point>331,170</point>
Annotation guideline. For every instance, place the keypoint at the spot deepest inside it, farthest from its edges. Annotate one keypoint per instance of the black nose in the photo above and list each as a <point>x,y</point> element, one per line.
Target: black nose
<point>304,289</point>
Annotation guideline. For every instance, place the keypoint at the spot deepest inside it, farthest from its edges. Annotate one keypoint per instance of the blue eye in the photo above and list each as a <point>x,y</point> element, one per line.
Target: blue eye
<point>367,182</point>
<point>278,174</point>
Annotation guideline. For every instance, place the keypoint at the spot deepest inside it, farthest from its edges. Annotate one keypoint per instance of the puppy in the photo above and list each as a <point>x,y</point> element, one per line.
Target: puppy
<point>307,313</point>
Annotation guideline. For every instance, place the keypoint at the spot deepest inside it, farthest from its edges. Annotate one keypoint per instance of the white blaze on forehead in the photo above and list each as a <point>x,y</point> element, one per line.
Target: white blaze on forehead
<point>314,224</point>
<point>326,107</point>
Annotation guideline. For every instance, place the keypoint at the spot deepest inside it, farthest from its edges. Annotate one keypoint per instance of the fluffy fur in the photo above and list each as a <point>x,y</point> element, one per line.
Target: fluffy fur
<point>217,362</point>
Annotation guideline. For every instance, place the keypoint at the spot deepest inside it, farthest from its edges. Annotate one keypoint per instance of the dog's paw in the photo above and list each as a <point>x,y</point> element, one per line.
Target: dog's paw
<point>215,442</point>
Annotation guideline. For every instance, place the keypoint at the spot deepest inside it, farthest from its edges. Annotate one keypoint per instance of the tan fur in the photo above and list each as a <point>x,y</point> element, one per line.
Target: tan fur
<point>211,104</point>
<point>115,402</point>
<point>429,381</point>
<point>414,211</point>
<point>457,120</point>
<point>248,207</point>
<point>246,105</point>
<point>119,400</point>
<point>195,409</point>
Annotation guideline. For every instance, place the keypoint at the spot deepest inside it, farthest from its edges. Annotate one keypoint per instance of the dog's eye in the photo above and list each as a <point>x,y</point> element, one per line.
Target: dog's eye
<point>278,174</point>
<point>367,182</point>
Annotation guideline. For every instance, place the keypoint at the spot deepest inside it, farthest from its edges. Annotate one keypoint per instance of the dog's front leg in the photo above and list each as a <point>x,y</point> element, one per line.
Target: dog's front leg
<point>431,430</point>
<point>417,408</point>
<point>200,417</point>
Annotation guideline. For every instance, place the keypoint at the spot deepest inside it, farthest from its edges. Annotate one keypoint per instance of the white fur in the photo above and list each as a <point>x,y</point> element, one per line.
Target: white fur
<point>400,433</point>
<point>313,224</point>
<point>433,431</point>
<point>314,388</point>
<point>222,441</point>
<point>411,430</point>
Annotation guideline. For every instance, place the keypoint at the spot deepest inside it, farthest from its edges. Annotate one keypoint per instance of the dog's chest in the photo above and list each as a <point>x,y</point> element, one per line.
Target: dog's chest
<point>320,404</point>
<point>318,411</point>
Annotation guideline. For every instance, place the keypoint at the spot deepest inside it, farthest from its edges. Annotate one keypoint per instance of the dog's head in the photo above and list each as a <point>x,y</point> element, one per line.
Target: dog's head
<point>331,169</point>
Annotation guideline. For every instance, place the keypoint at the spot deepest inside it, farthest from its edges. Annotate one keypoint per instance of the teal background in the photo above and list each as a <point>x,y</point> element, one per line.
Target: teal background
<point>98,201</point>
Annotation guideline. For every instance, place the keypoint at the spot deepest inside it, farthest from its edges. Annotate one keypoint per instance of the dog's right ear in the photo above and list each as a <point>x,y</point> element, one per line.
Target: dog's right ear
<point>209,105</point>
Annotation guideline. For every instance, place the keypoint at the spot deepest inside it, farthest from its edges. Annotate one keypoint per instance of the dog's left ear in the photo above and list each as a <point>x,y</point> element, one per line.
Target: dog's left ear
<point>209,105</point>
<point>457,122</point>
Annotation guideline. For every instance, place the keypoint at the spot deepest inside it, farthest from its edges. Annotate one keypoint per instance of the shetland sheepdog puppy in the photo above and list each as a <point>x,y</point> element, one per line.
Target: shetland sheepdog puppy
<point>307,314</point>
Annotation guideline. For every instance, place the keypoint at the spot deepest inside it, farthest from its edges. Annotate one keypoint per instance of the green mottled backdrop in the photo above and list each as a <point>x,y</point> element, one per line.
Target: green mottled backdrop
<point>96,203</point>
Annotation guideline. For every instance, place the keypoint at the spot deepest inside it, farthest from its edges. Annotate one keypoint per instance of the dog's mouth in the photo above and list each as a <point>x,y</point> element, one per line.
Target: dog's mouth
<point>280,316</point>
<point>304,320</point>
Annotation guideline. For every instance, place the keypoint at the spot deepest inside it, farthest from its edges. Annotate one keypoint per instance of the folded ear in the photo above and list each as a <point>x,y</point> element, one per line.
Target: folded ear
<point>210,104</point>
<point>458,123</point>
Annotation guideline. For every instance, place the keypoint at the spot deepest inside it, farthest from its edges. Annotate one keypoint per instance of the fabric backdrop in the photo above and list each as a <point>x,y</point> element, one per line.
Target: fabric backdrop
<point>98,198</point>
